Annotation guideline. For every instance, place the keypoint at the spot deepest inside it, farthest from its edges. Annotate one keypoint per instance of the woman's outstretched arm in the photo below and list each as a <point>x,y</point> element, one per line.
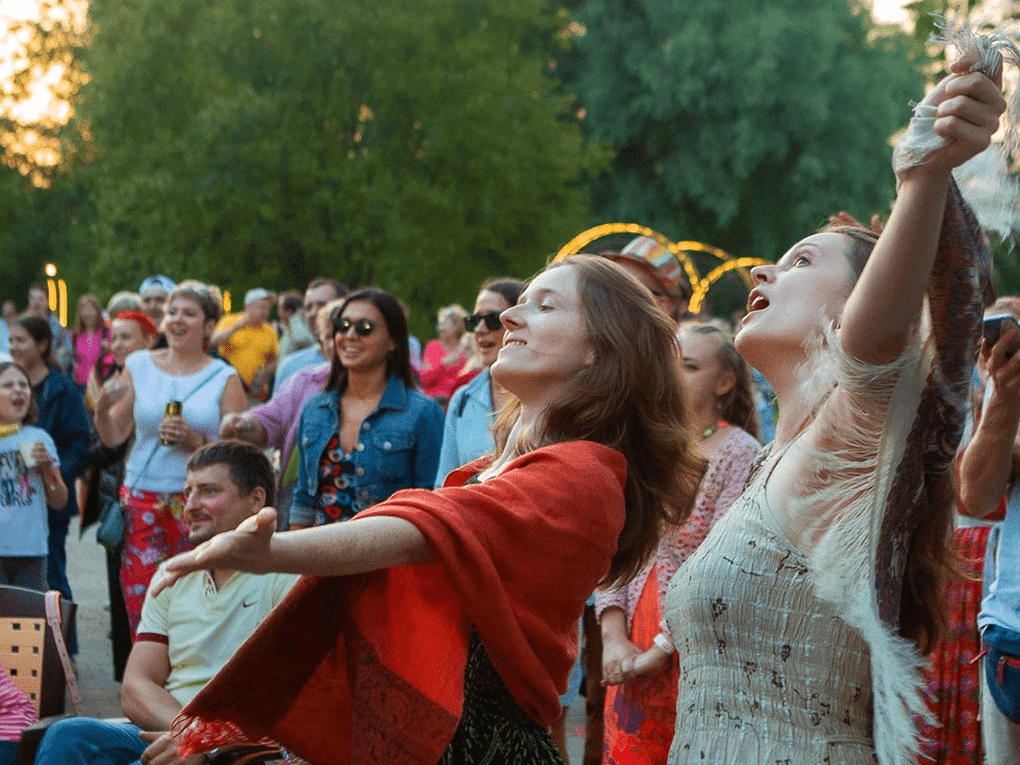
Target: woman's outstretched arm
<point>887,299</point>
<point>338,549</point>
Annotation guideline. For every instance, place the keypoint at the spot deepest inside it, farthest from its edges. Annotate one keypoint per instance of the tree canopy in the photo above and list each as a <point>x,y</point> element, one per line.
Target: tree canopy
<point>743,124</point>
<point>417,145</point>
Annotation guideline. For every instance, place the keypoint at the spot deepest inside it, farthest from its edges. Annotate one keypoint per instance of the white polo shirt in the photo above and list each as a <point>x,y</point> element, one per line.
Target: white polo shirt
<point>203,626</point>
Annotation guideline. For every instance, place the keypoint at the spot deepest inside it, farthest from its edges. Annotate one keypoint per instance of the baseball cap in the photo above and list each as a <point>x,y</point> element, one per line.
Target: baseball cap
<point>256,293</point>
<point>156,282</point>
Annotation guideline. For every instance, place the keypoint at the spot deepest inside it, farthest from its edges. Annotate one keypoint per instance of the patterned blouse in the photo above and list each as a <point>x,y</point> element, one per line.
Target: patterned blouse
<point>338,500</point>
<point>721,485</point>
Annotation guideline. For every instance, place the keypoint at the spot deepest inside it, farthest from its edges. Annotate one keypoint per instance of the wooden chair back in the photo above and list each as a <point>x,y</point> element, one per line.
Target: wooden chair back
<point>28,650</point>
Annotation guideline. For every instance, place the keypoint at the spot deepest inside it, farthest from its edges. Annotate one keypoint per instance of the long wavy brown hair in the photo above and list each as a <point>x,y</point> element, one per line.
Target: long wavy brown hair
<point>630,399</point>
<point>932,560</point>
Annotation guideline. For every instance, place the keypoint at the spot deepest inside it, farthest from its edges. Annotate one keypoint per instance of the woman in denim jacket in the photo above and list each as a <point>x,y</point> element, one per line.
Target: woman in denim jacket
<point>369,433</point>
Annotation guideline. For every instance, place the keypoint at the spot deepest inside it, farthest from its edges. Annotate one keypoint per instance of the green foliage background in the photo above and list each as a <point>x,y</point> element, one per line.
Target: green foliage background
<point>742,124</point>
<point>414,145</point>
<point>424,146</point>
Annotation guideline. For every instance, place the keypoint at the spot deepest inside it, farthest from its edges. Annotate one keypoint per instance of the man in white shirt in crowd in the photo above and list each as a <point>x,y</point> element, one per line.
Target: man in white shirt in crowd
<point>188,631</point>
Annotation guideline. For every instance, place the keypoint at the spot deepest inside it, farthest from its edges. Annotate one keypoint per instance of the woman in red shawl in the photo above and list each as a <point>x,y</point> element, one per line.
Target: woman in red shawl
<point>441,626</point>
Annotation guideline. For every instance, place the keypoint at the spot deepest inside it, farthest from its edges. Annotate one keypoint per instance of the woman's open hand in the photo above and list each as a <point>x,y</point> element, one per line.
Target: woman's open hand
<point>115,389</point>
<point>247,548</point>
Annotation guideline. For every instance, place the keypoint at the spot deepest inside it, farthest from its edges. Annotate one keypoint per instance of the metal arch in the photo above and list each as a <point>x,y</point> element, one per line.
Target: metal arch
<point>585,238</point>
<point>739,264</point>
<point>680,249</point>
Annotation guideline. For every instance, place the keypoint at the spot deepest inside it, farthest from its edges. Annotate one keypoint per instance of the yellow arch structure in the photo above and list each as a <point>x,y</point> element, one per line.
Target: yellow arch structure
<point>700,284</point>
<point>740,264</point>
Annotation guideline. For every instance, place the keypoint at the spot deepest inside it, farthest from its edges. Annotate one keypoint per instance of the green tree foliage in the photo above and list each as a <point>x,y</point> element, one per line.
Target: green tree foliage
<point>744,123</point>
<point>40,225</point>
<point>414,144</point>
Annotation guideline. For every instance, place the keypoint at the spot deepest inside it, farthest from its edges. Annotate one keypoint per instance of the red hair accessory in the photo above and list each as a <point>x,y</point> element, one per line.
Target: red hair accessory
<point>143,321</point>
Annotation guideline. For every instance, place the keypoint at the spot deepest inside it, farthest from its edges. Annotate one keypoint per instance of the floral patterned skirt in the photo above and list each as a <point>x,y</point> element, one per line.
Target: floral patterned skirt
<point>155,531</point>
<point>640,715</point>
<point>953,680</point>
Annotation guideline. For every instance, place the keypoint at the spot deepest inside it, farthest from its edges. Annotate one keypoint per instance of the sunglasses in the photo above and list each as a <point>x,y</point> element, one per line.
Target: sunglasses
<point>364,327</point>
<point>491,319</point>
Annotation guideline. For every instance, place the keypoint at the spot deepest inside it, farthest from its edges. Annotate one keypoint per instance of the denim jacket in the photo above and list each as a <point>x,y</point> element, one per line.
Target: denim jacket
<point>398,448</point>
<point>468,432</point>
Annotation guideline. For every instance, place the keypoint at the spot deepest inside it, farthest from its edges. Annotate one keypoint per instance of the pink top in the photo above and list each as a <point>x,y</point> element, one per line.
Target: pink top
<point>721,485</point>
<point>16,711</point>
<point>437,380</point>
<point>87,349</point>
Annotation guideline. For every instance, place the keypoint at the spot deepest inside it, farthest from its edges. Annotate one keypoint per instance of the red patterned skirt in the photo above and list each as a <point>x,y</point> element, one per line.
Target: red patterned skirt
<point>155,531</point>
<point>954,693</point>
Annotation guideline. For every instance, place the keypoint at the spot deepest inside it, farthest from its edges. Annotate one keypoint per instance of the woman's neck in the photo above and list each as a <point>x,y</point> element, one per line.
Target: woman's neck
<point>706,421</point>
<point>366,385</point>
<point>37,372</point>
<point>186,358</point>
<point>499,395</point>
<point>522,432</point>
<point>450,344</point>
<point>786,380</point>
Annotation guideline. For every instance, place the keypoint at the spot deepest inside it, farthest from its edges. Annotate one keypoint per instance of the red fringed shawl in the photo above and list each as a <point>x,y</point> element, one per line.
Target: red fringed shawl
<point>370,668</point>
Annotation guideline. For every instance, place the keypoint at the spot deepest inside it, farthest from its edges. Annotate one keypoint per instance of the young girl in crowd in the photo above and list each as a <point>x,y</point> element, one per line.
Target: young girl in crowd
<point>801,618</point>
<point>61,413</point>
<point>640,706</point>
<point>456,646</point>
<point>30,483</point>
<point>130,331</point>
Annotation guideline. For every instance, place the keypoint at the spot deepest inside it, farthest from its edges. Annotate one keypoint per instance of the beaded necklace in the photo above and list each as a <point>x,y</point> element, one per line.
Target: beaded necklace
<point>711,429</point>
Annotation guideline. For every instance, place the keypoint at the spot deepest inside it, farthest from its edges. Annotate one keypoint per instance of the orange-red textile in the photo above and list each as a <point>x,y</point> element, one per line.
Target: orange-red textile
<point>640,716</point>
<point>369,669</point>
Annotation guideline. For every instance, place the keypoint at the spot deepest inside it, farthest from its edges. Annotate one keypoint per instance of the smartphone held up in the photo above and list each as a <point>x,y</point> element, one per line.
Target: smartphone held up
<point>994,327</point>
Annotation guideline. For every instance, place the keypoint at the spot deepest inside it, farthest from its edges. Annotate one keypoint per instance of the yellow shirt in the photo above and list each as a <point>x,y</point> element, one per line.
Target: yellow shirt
<point>249,348</point>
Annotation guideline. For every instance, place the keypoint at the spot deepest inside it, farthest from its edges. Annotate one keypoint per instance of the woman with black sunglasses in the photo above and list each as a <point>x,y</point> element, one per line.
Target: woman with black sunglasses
<point>369,433</point>
<point>474,406</point>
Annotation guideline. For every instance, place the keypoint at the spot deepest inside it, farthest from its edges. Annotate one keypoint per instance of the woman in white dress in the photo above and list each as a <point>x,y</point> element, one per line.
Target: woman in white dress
<point>802,617</point>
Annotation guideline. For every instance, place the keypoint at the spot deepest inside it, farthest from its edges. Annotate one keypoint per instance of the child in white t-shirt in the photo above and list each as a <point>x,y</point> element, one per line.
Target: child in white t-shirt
<point>29,482</point>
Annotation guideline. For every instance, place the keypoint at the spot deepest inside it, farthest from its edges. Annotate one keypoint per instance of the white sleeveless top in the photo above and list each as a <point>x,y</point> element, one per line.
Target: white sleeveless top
<point>153,466</point>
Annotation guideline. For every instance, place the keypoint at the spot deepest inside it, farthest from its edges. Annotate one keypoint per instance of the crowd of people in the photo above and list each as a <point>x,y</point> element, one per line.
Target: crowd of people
<point>425,535</point>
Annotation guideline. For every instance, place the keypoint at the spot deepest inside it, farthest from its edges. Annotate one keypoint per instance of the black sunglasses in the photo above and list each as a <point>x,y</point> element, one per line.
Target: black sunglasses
<point>491,319</point>
<point>342,325</point>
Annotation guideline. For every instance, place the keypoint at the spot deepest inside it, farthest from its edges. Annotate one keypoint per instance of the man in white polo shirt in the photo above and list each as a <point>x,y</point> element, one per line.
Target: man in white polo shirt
<point>188,631</point>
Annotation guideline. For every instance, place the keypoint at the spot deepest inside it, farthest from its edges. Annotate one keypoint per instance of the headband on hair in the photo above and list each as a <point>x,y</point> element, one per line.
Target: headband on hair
<point>844,223</point>
<point>143,321</point>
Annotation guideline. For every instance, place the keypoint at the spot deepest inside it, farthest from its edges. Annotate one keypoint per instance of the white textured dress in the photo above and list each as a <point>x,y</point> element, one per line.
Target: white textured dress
<point>786,617</point>
<point>768,674</point>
